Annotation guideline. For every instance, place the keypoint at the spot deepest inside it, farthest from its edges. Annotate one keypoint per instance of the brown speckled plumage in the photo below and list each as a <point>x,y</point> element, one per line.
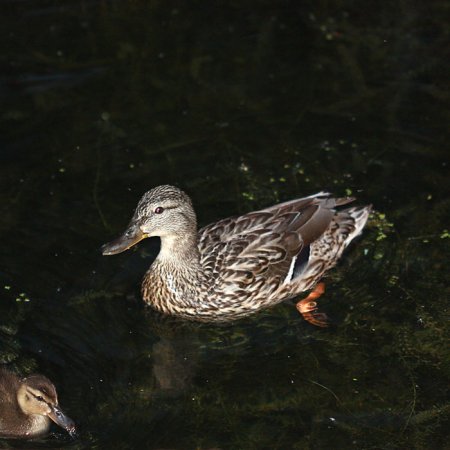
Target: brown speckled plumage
<point>238,265</point>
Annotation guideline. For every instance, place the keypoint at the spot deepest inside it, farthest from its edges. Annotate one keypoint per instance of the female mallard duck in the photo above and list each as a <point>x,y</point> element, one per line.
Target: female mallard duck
<point>239,265</point>
<point>27,405</point>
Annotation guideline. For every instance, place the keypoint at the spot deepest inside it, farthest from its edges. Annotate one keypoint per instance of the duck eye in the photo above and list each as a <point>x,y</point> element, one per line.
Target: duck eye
<point>40,398</point>
<point>159,210</point>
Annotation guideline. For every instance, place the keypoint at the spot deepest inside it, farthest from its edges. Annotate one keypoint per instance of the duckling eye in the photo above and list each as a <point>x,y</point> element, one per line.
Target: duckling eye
<point>159,210</point>
<point>40,398</point>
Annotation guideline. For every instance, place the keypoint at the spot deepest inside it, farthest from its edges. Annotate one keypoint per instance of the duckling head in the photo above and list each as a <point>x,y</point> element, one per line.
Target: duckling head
<point>37,396</point>
<point>164,211</point>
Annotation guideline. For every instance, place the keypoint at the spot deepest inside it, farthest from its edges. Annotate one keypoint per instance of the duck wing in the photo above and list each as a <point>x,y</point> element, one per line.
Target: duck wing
<point>263,247</point>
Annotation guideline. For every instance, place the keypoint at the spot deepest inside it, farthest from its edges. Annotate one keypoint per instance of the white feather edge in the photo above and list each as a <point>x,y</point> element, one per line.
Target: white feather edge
<point>290,271</point>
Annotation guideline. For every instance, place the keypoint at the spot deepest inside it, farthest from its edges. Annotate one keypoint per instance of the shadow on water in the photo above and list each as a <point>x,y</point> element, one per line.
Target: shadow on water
<point>242,106</point>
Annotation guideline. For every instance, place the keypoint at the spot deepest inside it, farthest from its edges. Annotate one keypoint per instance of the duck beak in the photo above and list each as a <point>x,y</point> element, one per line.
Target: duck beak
<point>62,420</point>
<point>131,237</point>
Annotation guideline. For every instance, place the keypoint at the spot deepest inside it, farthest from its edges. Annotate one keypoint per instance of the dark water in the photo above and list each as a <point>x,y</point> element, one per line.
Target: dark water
<point>241,105</point>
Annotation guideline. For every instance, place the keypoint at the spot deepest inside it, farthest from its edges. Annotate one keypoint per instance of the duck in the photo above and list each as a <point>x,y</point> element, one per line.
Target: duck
<point>28,405</point>
<point>242,264</point>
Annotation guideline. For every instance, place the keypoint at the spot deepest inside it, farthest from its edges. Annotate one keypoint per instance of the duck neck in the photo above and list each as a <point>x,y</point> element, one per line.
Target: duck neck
<point>37,425</point>
<point>180,251</point>
<point>171,285</point>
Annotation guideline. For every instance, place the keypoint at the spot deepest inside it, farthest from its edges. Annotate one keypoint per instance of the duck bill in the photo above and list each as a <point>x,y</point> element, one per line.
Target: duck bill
<point>62,420</point>
<point>131,237</point>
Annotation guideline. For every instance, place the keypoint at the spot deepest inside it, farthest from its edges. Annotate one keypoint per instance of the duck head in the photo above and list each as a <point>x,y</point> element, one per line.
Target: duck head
<point>37,396</point>
<point>165,211</point>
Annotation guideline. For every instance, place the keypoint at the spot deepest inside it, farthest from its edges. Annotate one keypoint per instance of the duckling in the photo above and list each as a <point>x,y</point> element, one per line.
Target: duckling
<point>27,405</point>
<point>239,265</point>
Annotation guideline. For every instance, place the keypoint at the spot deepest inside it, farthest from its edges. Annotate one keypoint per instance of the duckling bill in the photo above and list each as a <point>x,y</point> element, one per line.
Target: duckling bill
<point>239,265</point>
<point>28,405</point>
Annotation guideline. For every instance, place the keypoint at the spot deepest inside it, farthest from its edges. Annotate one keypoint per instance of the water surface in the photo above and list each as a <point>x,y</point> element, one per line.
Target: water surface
<point>241,106</point>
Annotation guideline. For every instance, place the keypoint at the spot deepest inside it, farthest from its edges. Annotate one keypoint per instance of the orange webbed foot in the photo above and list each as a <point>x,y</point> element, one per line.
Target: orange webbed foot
<point>308,307</point>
